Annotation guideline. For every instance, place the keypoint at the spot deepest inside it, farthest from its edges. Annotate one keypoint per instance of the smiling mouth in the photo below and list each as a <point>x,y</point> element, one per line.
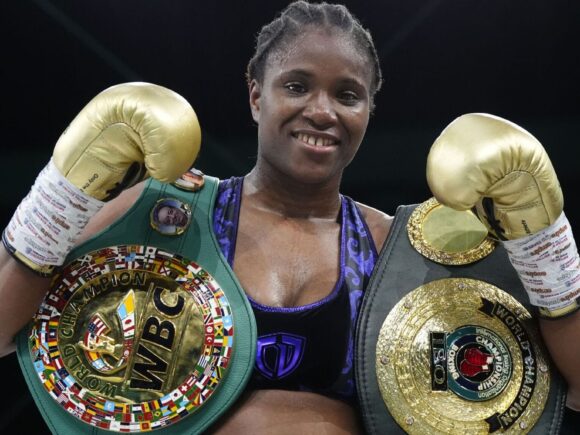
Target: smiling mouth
<point>315,141</point>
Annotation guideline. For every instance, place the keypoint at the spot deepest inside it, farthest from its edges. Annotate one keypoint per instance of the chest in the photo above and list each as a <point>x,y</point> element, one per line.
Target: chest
<point>287,262</point>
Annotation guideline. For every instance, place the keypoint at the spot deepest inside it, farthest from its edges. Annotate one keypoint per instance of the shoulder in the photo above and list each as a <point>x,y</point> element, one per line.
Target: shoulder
<point>379,223</point>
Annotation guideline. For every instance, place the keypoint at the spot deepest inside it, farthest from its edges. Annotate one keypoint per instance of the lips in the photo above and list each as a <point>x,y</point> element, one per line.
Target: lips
<point>316,140</point>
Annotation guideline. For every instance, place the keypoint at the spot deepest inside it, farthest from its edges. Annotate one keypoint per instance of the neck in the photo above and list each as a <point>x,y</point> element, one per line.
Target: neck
<point>284,196</point>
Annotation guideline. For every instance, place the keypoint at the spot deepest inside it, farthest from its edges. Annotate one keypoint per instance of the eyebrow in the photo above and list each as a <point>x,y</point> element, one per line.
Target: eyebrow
<point>307,74</point>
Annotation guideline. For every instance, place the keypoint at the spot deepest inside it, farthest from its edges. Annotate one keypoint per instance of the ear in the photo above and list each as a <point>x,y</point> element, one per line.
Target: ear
<point>255,93</point>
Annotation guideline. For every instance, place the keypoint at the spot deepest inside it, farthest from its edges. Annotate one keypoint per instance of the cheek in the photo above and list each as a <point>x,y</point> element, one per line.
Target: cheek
<point>358,125</point>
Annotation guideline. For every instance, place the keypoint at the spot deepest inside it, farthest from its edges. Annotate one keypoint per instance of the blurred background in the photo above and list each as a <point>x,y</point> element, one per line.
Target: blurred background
<point>518,59</point>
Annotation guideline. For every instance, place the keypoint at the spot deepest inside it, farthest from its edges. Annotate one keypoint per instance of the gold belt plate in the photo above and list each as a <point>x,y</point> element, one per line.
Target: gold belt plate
<point>132,338</point>
<point>460,356</point>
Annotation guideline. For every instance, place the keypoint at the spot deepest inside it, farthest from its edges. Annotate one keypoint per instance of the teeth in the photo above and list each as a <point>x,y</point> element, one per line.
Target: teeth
<point>315,141</point>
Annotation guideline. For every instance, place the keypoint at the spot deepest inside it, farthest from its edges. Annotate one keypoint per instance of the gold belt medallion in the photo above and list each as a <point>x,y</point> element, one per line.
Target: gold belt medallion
<point>460,356</point>
<point>448,236</point>
<point>132,338</point>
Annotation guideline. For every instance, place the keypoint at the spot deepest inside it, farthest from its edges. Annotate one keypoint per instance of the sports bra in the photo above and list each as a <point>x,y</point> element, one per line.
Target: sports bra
<point>309,347</point>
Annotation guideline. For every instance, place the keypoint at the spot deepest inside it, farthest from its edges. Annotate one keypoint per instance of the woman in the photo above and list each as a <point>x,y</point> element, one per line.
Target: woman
<point>311,84</point>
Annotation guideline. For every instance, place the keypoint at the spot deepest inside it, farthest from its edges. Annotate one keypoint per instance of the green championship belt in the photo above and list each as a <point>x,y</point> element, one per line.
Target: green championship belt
<point>146,326</point>
<point>446,343</point>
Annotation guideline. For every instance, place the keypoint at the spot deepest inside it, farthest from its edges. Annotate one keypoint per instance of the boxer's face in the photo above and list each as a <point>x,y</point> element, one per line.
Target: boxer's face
<point>312,107</point>
<point>171,216</point>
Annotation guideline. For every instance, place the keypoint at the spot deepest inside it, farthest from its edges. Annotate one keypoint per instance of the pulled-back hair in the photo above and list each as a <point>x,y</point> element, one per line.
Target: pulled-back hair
<point>290,23</point>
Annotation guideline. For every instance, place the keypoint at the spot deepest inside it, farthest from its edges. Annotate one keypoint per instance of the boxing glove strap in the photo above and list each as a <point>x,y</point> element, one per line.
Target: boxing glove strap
<point>48,221</point>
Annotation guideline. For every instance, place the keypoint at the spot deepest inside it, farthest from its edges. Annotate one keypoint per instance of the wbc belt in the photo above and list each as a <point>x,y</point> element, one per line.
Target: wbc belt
<point>145,328</point>
<point>445,341</point>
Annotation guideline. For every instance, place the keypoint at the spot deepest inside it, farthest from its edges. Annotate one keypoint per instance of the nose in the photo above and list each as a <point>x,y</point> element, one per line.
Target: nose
<point>320,110</point>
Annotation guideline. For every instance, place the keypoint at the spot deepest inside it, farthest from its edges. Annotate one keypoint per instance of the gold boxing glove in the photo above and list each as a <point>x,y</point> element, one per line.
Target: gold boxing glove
<point>124,134</point>
<point>489,163</point>
<point>497,168</point>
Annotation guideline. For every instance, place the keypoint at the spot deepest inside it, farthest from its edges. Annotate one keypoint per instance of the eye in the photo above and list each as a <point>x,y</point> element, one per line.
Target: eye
<point>295,88</point>
<point>348,97</point>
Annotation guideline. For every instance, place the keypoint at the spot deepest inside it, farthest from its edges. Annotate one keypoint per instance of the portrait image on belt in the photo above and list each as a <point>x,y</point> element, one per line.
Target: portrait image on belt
<point>170,216</point>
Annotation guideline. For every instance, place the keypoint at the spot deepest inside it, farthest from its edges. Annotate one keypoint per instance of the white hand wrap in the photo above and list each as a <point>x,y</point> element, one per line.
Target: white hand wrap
<point>548,265</point>
<point>49,219</point>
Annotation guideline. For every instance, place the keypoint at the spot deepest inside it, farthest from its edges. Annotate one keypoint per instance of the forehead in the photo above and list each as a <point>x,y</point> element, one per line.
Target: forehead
<point>327,52</point>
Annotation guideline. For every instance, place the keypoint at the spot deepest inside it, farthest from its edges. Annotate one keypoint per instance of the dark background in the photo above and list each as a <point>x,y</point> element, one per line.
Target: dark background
<point>518,59</point>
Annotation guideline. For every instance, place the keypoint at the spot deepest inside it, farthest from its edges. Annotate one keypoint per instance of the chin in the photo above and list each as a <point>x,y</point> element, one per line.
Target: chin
<point>314,177</point>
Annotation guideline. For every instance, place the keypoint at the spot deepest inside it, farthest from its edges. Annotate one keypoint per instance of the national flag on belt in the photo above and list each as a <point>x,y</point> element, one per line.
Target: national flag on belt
<point>190,380</point>
<point>126,313</point>
<point>47,314</point>
<point>109,406</point>
<point>58,363</point>
<point>204,361</point>
<point>226,310</point>
<point>129,326</point>
<point>202,382</point>
<point>222,362</point>
<point>208,370</point>
<point>227,321</point>
<point>164,270</point>
<point>86,259</point>
<point>96,325</point>
<point>195,398</point>
<point>194,268</point>
<point>39,366</point>
<point>184,388</point>
<point>53,297</point>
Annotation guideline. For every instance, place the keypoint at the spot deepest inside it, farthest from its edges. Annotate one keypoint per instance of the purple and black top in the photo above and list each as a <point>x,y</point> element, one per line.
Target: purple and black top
<point>310,347</point>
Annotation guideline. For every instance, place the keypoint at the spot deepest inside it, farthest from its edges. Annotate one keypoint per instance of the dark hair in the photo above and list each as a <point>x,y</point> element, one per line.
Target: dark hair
<point>290,23</point>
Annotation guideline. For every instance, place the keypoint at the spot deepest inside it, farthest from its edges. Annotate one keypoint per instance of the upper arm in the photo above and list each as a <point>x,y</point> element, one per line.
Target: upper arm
<point>111,211</point>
